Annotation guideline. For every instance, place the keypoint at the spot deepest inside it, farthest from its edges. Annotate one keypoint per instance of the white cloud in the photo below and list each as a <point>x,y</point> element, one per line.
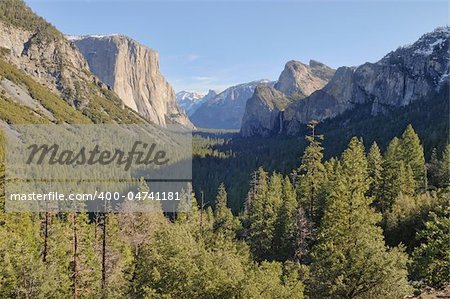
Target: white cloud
<point>204,78</point>
<point>192,57</point>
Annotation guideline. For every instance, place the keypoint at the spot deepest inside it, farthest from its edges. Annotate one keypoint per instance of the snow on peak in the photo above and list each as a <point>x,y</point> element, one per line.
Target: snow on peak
<point>80,37</point>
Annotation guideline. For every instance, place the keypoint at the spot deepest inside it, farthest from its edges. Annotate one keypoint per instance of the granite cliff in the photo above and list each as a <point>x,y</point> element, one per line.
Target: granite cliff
<point>132,71</point>
<point>264,110</point>
<point>403,76</point>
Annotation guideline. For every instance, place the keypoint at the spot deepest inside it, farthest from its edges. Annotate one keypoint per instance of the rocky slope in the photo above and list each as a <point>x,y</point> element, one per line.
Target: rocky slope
<point>132,71</point>
<point>225,110</point>
<point>191,101</point>
<point>264,112</point>
<point>52,69</point>
<point>401,77</point>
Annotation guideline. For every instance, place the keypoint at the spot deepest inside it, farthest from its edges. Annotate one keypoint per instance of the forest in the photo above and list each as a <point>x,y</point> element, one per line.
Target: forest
<point>365,224</point>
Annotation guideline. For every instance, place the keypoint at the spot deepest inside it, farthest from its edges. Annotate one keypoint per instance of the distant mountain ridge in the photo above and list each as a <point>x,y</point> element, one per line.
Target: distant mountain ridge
<point>398,79</point>
<point>225,110</point>
<point>191,101</point>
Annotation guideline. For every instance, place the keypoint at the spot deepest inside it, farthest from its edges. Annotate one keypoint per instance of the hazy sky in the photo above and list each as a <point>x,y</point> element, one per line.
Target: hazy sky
<point>215,44</point>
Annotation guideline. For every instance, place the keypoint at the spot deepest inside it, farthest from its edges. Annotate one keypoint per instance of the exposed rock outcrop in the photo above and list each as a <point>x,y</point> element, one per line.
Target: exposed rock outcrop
<point>403,76</point>
<point>264,113</point>
<point>225,111</point>
<point>51,60</point>
<point>299,80</point>
<point>132,71</point>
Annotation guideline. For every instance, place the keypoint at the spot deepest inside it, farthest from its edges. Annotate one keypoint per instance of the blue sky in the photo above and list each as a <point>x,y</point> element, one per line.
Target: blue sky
<point>215,44</point>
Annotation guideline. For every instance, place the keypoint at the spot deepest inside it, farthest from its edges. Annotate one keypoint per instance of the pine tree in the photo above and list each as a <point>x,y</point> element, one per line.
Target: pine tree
<point>224,221</point>
<point>350,259</point>
<point>375,169</point>
<point>432,257</point>
<point>412,155</point>
<point>261,217</point>
<point>392,175</point>
<point>311,176</point>
<point>445,168</point>
<point>433,169</point>
<point>285,226</point>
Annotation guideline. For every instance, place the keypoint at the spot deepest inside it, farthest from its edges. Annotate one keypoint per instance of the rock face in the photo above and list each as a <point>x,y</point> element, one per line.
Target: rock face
<point>132,71</point>
<point>403,76</point>
<point>51,60</point>
<point>225,110</point>
<point>264,113</point>
<point>299,80</point>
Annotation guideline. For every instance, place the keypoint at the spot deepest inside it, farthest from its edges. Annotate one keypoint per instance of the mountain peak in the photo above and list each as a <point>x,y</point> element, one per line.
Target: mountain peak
<point>300,80</point>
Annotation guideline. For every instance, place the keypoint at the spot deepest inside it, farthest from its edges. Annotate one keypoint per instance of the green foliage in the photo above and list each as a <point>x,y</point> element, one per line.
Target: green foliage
<point>285,226</point>
<point>310,177</point>
<point>406,217</point>
<point>350,259</point>
<point>178,265</point>
<point>412,154</point>
<point>18,14</point>
<point>375,169</point>
<point>432,257</point>
<point>260,212</point>
<point>224,221</point>
<point>14,113</point>
<point>61,110</point>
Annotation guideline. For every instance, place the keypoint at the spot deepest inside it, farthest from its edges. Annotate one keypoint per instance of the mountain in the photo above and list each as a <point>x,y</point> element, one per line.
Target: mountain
<point>225,110</point>
<point>403,76</point>
<point>132,71</point>
<point>44,77</point>
<point>264,110</point>
<point>191,101</point>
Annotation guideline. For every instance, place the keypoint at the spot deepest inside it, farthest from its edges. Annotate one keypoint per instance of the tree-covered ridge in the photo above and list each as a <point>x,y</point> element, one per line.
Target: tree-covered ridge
<point>327,230</point>
<point>18,14</point>
<point>103,107</point>
<point>225,157</point>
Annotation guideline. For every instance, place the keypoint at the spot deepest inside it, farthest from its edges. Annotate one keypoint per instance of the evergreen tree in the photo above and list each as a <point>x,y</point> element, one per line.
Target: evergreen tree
<point>350,259</point>
<point>445,168</point>
<point>285,226</point>
<point>432,257</point>
<point>433,169</point>
<point>261,217</point>
<point>375,169</point>
<point>311,176</point>
<point>412,155</point>
<point>224,221</point>
<point>392,175</point>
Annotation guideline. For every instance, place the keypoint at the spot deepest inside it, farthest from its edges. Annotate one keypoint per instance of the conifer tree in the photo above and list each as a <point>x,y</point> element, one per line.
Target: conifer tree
<point>224,221</point>
<point>285,226</point>
<point>350,259</point>
<point>392,175</point>
<point>311,176</point>
<point>412,155</point>
<point>375,169</point>
<point>261,217</point>
<point>432,257</point>
<point>445,168</point>
<point>433,169</point>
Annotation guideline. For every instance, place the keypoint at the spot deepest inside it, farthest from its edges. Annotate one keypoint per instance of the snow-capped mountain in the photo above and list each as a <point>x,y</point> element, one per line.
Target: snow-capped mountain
<point>191,101</point>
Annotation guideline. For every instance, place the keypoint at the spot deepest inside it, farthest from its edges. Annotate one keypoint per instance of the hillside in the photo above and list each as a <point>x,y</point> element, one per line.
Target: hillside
<point>401,77</point>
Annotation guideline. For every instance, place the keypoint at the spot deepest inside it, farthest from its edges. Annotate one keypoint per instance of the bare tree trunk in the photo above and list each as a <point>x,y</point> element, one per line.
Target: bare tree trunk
<point>105,218</point>
<point>44,254</point>
<point>74,257</point>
